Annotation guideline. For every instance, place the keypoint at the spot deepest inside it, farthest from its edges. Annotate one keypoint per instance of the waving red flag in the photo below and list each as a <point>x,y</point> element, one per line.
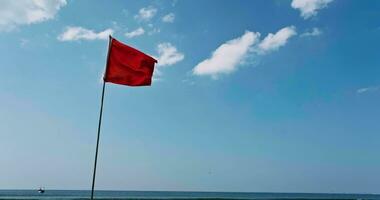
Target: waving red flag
<point>125,66</point>
<point>128,66</point>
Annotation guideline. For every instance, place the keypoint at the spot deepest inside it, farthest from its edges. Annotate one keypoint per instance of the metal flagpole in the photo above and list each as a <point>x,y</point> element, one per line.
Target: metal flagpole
<point>97,141</point>
<point>99,125</point>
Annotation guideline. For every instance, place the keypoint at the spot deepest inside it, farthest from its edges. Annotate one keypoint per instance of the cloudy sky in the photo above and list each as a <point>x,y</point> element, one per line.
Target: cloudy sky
<point>261,96</point>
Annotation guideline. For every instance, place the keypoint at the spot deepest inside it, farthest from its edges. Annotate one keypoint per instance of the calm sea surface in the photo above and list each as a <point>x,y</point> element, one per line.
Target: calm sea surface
<point>81,194</point>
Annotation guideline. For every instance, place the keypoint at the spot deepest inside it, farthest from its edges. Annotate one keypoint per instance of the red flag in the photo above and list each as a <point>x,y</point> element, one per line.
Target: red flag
<point>128,66</point>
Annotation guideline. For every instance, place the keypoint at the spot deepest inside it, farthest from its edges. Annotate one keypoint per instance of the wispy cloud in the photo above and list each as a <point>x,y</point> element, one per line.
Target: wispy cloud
<point>230,55</point>
<point>169,18</point>
<point>79,33</point>
<point>154,31</point>
<point>147,13</point>
<point>16,12</point>
<point>135,33</point>
<point>227,56</point>
<point>313,32</point>
<point>157,75</point>
<point>309,8</point>
<point>168,55</point>
<point>188,81</point>
<point>24,42</point>
<point>368,89</point>
<point>273,42</point>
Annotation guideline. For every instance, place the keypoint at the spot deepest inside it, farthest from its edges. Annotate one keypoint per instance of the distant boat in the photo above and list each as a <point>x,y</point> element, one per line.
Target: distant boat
<point>41,190</point>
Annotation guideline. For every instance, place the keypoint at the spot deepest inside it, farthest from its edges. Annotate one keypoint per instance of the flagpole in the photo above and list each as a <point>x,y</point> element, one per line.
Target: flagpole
<point>97,141</point>
<point>99,124</point>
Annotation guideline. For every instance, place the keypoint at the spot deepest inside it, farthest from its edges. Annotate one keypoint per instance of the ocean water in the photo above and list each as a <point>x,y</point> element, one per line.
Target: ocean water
<point>136,195</point>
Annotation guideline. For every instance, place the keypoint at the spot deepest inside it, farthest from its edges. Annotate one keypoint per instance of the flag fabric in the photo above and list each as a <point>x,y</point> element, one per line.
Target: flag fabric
<point>128,66</point>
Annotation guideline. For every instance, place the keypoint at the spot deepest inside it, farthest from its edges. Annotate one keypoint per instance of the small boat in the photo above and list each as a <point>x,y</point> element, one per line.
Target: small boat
<point>41,190</point>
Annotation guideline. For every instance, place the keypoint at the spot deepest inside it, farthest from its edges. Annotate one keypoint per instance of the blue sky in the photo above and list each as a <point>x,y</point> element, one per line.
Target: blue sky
<point>259,96</point>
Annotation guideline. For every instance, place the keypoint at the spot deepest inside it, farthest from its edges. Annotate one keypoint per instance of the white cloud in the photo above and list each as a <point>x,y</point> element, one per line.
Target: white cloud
<point>227,56</point>
<point>79,33</point>
<point>168,54</point>
<point>240,51</point>
<point>20,12</point>
<point>135,33</point>
<point>169,18</point>
<point>309,8</point>
<point>368,89</point>
<point>146,13</point>
<point>313,32</point>
<point>273,42</point>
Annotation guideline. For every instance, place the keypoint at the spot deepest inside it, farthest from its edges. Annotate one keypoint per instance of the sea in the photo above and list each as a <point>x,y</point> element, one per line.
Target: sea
<point>150,195</point>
